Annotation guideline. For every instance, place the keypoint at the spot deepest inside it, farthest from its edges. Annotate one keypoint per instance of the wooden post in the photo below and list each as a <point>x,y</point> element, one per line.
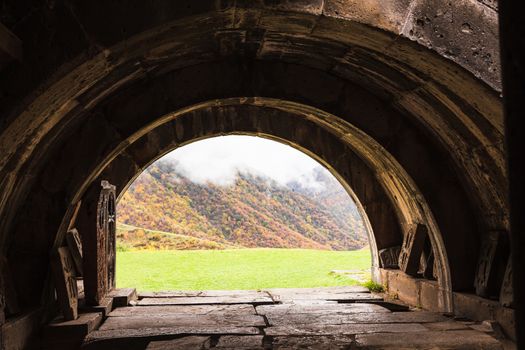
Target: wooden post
<point>99,243</point>
<point>412,248</point>
<point>65,282</point>
<point>75,248</point>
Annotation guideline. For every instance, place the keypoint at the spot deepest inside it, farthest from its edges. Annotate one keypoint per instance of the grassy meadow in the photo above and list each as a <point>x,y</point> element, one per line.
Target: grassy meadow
<point>156,270</point>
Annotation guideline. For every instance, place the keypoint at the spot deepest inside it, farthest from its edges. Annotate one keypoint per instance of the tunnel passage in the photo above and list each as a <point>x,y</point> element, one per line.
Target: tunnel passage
<point>431,110</point>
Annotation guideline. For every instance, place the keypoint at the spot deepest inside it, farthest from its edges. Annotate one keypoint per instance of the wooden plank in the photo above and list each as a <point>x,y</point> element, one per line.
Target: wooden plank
<point>66,285</point>
<point>204,300</point>
<point>10,44</point>
<point>343,329</point>
<point>192,342</point>
<point>332,309</point>
<point>75,248</point>
<point>152,321</point>
<point>412,248</point>
<point>170,310</point>
<point>492,262</point>
<point>389,257</point>
<point>361,318</point>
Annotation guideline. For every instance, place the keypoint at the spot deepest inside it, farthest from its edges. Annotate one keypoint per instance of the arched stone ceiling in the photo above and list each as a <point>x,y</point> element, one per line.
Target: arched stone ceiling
<point>420,77</point>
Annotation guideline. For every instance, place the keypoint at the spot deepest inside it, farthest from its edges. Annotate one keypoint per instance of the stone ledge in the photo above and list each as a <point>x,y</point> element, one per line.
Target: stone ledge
<point>425,294</point>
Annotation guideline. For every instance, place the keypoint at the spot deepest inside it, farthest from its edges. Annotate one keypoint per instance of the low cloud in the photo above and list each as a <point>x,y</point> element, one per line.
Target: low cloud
<point>218,160</point>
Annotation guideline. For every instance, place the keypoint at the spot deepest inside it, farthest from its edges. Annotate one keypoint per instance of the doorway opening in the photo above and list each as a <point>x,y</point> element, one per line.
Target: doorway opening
<point>239,212</point>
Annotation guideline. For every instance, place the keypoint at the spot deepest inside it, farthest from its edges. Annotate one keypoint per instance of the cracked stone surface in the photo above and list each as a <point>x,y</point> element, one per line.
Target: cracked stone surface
<point>295,319</point>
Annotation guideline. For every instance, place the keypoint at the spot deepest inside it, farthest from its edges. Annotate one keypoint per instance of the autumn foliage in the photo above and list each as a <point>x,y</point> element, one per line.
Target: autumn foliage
<point>163,209</point>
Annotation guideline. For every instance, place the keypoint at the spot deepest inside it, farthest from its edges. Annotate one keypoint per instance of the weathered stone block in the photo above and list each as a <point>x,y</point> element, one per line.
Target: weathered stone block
<point>429,295</point>
<point>404,286</point>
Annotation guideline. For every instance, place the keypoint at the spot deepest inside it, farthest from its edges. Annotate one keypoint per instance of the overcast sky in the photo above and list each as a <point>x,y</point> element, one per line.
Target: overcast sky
<point>218,159</point>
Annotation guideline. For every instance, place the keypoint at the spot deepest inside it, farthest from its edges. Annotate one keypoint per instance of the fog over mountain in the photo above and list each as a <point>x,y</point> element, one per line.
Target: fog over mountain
<point>219,159</point>
<point>205,198</point>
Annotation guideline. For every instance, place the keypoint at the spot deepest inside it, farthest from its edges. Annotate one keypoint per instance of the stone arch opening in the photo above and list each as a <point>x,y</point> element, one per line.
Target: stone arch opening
<point>163,151</point>
<point>388,195</point>
<point>412,85</point>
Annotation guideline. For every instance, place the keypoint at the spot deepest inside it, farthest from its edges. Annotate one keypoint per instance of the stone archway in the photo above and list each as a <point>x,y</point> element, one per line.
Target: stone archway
<point>356,159</point>
<point>422,84</point>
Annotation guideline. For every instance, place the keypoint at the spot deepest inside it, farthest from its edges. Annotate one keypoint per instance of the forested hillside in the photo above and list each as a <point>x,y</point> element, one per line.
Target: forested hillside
<point>165,210</point>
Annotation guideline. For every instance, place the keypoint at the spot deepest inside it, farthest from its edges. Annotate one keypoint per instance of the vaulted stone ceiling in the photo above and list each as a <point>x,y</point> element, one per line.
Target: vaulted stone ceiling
<point>104,88</point>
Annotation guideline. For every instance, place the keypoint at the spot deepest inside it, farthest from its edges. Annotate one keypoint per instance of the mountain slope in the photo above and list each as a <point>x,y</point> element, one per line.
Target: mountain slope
<point>253,212</point>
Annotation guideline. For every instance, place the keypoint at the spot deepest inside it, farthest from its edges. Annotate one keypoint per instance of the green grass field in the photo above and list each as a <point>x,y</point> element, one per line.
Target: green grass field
<point>155,270</point>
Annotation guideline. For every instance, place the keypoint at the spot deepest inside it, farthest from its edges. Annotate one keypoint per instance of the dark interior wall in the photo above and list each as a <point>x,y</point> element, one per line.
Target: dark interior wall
<point>512,26</point>
<point>82,97</point>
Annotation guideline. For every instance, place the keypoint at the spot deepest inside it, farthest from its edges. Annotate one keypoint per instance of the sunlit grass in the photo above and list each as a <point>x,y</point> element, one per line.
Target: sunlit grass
<point>155,270</point>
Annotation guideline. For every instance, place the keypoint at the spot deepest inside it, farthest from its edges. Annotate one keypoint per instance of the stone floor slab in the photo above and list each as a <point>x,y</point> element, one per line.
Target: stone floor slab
<point>192,342</point>
<point>322,342</point>
<point>343,329</point>
<point>283,295</point>
<point>162,332</point>
<point>315,309</point>
<point>204,293</point>
<point>363,318</point>
<point>319,290</point>
<point>166,310</point>
<point>451,340</point>
<point>260,300</point>
<point>318,318</point>
<point>240,342</point>
<point>153,320</point>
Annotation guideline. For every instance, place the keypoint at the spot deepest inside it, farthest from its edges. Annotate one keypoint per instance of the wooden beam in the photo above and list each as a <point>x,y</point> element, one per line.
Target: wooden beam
<point>65,282</point>
<point>75,247</point>
<point>412,248</point>
<point>10,45</point>
<point>492,262</point>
